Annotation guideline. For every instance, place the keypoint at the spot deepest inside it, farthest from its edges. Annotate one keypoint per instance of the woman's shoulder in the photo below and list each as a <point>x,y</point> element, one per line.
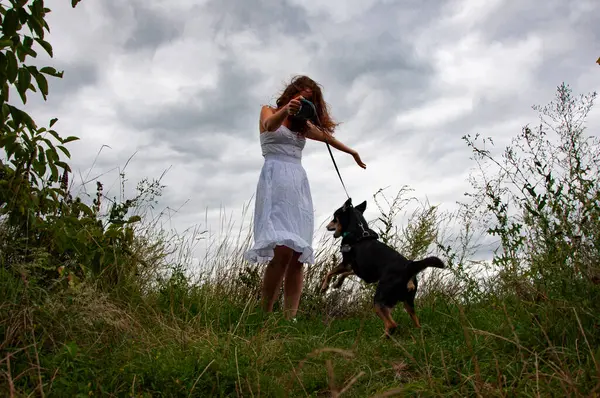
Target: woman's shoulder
<point>265,112</point>
<point>269,107</point>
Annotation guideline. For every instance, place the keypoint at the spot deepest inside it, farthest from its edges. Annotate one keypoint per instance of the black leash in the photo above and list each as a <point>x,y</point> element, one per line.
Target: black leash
<point>316,116</point>
<point>336,168</point>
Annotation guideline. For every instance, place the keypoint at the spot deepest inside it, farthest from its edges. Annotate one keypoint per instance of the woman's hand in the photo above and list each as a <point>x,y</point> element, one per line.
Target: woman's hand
<point>293,107</point>
<point>358,160</point>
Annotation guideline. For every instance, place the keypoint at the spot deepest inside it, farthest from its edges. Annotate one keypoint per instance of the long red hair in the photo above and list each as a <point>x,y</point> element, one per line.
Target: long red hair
<point>297,85</point>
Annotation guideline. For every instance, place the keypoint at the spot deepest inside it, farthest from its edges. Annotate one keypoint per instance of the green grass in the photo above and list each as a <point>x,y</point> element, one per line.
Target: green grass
<point>80,343</point>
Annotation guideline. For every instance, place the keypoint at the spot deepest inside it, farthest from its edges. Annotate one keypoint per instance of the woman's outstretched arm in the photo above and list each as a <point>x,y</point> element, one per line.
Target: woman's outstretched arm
<point>317,134</point>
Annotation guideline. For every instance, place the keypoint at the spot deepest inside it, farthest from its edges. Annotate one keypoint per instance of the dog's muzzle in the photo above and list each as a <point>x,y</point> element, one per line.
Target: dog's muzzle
<point>331,226</point>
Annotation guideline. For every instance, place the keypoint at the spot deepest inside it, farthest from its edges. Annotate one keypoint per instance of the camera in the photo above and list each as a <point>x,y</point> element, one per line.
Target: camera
<point>307,111</point>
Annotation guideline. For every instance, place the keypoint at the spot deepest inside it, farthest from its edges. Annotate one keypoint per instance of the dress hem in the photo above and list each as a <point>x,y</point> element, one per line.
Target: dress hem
<point>263,251</point>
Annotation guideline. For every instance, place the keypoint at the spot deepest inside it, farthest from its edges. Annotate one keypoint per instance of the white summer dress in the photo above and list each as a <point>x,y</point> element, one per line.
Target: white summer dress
<point>283,210</point>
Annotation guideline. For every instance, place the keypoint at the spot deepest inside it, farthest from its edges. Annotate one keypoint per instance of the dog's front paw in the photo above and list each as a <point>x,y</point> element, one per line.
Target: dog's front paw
<point>324,287</point>
<point>410,285</point>
<point>390,332</point>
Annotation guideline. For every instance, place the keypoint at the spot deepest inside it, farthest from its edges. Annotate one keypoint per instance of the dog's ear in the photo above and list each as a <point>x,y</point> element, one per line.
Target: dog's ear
<point>348,204</point>
<point>362,207</point>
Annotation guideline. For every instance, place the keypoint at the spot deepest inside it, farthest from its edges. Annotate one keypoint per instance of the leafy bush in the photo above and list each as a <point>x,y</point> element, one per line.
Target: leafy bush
<point>543,198</point>
<point>47,234</point>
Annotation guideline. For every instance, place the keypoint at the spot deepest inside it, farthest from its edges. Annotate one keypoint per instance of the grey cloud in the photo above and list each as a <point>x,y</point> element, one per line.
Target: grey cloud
<point>383,52</point>
<point>265,16</point>
<point>76,77</point>
<point>212,188</point>
<point>151,29</point>
<point>437,142</point>
<point>228,109</point>
<point>485,114</point>
<point>218,175</point>
<point>216,195</point>
<point>516,20</point>
<point>392,71</point>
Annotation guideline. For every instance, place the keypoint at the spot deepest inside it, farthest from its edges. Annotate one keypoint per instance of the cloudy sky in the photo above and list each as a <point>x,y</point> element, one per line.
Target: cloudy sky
<point>180,83</point>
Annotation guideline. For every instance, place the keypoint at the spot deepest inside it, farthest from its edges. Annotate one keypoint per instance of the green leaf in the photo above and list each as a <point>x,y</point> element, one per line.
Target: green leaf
<point>42,84</point>
<point>88,212</point>
<point>3,63</point>
<point>64,150</point>
<point>10,22</point>
<point>69,139</point>
<point>23,83</point>
<point>5,111</point>
<point>72,348</point>
<point>74,3</point>
<point>5,42</point>
<point>49,143</point>
<point>28,121</point>
<point>5,91</point>
<point>37,9</point>
<point>27,41</point>
<point>35,24</point>
<point>46,46</point>
<point>54,171</point>
<point>12,66</point>
<point>63,165</point>
<point>51,156</point>
<point>40,165</point>
<point>51,71</point>
<point>23,14</point>
<point>35,181</point>
<point>133,219</point>
<point>55,135</point>
<point>17,116</point>
<point>53,121</point>
<point>25,49</point>
<point>541,205</point>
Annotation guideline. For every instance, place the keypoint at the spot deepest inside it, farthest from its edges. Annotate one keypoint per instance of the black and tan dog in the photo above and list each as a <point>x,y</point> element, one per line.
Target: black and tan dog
<point>374,262</point>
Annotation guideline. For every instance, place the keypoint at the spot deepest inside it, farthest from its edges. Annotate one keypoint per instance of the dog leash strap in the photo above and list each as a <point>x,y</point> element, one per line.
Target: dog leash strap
<point>329,149</point>
<point>336,168</point>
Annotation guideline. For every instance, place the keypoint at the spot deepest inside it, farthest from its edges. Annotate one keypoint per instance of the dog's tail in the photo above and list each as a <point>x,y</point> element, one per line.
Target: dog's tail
<point>417,266</point>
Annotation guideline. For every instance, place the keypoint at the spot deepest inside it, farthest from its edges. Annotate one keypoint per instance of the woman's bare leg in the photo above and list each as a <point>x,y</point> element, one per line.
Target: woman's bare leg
<point>292,288</point>
<point>274,275</point>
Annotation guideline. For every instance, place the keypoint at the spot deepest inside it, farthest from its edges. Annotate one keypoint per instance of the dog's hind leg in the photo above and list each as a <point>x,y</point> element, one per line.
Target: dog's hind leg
<point>384,301</point>
<point>385,314</point>
<point>409,306</point>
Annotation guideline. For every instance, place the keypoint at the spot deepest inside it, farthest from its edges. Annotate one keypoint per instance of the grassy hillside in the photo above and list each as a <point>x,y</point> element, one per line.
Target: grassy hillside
<point>96,299</point>
<point>194,341</point>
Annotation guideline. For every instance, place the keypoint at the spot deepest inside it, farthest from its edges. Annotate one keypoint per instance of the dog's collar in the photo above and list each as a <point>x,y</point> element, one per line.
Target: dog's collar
<point>348,238</point>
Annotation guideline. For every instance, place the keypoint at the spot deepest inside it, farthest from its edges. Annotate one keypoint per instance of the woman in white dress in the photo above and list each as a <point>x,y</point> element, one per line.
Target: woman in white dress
<point>283,214</point>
